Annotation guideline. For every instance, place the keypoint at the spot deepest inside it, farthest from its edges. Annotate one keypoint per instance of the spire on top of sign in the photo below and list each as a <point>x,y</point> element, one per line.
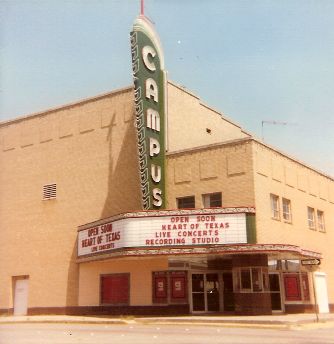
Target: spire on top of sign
<point>142,7</point>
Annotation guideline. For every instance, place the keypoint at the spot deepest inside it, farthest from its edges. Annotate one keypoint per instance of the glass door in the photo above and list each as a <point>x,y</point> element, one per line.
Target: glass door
<point>275,292</point>
<point>198,296</point>
<point>228,293</point>
<point>212,292</point>
<point>205,292</point>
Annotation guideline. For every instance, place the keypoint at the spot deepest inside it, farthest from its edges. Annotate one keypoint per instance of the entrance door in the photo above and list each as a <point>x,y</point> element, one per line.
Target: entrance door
<point>228,292</point>
<point>21,297</point>
<point>321,292</point>
<point>212,292</point>
<point>205,292</point>
<point>275,292</point>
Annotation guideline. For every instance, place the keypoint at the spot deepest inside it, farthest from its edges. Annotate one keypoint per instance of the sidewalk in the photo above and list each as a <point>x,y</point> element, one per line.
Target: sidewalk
<point>271,321</point>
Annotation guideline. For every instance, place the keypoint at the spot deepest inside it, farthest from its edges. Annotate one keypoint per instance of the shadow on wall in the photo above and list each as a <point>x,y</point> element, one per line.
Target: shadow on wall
<point>72,290</point>
<point>124,193</point>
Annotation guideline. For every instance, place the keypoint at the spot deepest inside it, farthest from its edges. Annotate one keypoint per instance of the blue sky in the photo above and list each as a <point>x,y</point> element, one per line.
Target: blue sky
<point>253,60</point>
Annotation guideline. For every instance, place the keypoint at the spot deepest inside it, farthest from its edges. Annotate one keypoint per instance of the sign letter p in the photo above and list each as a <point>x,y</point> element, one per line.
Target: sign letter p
<point>154,146</point>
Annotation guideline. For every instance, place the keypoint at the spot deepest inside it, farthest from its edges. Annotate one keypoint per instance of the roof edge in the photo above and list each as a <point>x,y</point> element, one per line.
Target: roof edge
<point>292,158</point>
<point>201,102</point>
<point>245,140</point>
<point>210,146</point>
<point>66,106</point>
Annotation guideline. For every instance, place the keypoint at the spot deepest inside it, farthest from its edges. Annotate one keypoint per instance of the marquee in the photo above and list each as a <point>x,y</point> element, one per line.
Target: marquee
<point>178,230</point>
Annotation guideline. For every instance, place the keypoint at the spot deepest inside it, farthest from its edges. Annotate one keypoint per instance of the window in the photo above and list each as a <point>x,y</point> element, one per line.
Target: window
<point>115,289</point>
<point>49,191</point>
<point>251,279</point>
<point>212,200</point>
<point>296,282</point>
<point>286,206</point>
<point>310,218</point>
<point>321,221</point>
<point>245,279</point>
<point>186,202</point>
<point>274,200</point>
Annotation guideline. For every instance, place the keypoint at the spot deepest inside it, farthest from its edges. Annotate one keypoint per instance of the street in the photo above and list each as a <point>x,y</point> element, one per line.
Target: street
<point>159,334</point>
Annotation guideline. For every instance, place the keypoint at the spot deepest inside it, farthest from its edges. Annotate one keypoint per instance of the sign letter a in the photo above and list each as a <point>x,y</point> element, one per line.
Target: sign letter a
<point>151,89</point>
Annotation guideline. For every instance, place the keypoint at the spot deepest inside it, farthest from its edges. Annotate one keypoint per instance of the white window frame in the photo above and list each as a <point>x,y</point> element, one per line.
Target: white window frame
<point>286,210</point>
<point>311,218</point>
<point>206,199</point>
<point>275,207</point>
<point>180,199</point>
<point>252,271</point>
<point>321,221</point>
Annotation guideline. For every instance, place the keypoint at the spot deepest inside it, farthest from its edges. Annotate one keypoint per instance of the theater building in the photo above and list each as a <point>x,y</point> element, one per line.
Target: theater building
<point>145,200</point>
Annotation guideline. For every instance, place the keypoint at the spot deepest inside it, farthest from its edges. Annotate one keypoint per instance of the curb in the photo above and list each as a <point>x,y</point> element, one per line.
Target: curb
<point>64,321</point>
<point>264,324</point>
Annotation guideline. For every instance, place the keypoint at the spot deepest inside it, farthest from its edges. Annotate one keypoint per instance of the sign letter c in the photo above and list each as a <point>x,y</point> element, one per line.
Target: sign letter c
<point>147,50</point>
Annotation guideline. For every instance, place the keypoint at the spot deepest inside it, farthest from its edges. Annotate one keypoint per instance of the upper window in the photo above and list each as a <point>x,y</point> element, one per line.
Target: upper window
<point>310,217</point>
<point>321,221</point>
<point>274,201</point>
<point>49,191</point>
<point>212,200</point>
<point>186,202</point>
<point>286,205</point>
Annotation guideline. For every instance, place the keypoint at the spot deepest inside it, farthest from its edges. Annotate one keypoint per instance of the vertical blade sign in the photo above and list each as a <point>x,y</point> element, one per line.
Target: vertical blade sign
<point>149,93</point>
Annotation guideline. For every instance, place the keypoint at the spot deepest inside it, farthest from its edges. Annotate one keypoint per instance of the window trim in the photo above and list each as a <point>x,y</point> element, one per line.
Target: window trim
<point>208,195</point>
<point>275,213</point>
<point>261,273</point>
<point>185,197</point>
<point>289,213</point>
<point>321,224</point>
<point>311,221</point>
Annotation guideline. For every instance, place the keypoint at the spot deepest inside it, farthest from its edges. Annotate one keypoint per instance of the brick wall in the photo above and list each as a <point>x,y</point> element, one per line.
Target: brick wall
<point>277,174</point>
<point>88,149</point>
<point>219,168</point>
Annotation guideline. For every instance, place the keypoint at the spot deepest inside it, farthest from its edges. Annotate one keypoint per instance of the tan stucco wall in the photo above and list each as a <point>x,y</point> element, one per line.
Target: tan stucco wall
<point>189,120</point>
<point>89,150</point>
<point>304,187</point>
<point>220,168</point>
<point>140,279</point>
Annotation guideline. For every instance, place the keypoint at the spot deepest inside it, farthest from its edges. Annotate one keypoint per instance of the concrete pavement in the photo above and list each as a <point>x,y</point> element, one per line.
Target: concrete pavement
<point>271,321</point>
